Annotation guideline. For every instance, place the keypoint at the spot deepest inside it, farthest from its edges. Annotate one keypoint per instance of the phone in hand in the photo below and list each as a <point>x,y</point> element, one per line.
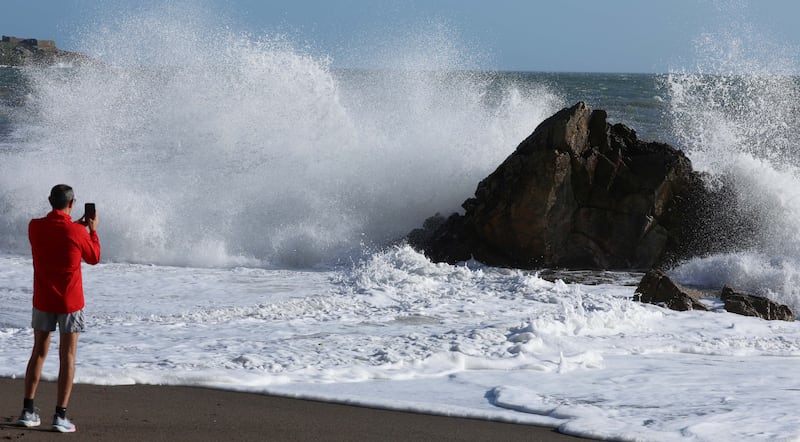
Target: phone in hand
<point>89,211</point>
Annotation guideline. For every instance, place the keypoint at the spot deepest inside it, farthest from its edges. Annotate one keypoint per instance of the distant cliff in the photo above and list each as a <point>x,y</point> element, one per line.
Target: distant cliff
<point>16,51</point>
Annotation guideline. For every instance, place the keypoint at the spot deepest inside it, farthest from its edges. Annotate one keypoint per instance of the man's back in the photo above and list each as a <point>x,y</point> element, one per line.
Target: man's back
<point>58,245</point>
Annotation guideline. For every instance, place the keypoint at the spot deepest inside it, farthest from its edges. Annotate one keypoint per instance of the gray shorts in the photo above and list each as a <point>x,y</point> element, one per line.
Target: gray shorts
<point>67,322</point>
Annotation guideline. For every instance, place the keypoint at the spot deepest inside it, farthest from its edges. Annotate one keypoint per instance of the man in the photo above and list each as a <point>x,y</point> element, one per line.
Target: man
<point>58,245</point>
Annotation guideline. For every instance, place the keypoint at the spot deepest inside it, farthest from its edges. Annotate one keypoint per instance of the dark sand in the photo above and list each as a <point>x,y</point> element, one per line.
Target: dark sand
<point>152,413</point>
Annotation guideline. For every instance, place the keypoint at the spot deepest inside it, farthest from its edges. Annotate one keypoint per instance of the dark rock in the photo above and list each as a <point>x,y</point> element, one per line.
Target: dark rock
<point>582,193</point>
<point>425,234</point>
<point>657,288</point>
<point>750,305</point>
<point>450,241</point>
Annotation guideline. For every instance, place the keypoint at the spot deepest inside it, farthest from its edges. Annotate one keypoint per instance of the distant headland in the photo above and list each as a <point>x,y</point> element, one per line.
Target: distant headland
<point>15,51</point>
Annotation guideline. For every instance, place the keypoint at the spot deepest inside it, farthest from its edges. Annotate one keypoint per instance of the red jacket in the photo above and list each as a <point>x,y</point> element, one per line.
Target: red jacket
<point>57,246</point>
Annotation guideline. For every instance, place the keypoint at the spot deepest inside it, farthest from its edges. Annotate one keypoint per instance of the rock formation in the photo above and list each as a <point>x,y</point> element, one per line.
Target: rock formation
<point>750,305</point>
<point>658,288</point>
<point>582,193</point>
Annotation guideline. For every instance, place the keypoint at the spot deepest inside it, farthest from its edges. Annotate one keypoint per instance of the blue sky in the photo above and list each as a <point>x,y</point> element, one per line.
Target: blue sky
<point>531,35</point>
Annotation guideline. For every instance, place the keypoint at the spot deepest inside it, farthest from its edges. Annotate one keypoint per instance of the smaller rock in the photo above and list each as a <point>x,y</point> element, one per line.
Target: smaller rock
<point>751,305</point>
<point>657,288</point>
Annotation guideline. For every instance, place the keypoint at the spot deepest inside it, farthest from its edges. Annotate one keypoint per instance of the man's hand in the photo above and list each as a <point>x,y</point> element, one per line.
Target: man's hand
<point>91,222</point>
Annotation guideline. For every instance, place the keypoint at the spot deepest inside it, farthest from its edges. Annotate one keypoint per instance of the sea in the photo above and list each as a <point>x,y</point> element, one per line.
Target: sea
<point>253,198</point>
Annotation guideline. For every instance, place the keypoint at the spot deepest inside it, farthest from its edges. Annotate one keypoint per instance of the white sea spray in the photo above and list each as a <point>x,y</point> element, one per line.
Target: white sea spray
<point>735,114</point>
<point>207,147</point>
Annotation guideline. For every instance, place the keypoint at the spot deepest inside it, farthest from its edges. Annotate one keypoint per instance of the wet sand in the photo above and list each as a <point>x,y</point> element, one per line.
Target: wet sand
<point>153,413</point>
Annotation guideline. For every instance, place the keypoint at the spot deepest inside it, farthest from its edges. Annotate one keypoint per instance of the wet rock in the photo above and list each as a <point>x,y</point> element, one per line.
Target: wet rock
<point>751,305</point>
<point>580,193</point>
<point>658,288</point>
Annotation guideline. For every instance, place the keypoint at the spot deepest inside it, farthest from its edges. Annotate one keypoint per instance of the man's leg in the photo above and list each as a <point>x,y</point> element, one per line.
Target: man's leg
<point>67,349</point>
<point>41,343</point>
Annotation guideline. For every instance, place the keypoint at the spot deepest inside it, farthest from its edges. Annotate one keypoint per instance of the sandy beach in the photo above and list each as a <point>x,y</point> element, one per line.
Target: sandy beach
<point>144,412</point>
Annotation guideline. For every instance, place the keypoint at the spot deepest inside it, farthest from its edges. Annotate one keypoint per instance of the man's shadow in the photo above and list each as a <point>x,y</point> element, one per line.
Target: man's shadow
<point>10,423</point>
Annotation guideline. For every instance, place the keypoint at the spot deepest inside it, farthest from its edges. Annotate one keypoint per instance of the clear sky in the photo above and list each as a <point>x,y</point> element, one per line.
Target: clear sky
<point>530,35</point>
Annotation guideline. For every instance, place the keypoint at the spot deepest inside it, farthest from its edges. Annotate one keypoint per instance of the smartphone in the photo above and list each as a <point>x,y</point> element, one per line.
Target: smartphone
<point>88,210</point>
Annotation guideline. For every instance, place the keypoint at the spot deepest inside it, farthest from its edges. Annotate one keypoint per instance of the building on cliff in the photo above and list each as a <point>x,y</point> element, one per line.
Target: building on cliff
<point>32,42</point>
<point>15,51</point>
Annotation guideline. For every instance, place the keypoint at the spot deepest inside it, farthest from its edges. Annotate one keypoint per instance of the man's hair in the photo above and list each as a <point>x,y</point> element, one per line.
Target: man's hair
<point>60,196</point>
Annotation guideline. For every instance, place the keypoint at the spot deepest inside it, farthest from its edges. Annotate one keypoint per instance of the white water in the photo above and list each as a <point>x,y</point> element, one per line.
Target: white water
<point>401,332</point>
<point>735,114</point>
<point>247,194</point>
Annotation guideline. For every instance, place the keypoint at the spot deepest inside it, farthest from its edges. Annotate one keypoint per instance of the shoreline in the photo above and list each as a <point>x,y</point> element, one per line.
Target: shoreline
<point>147,412</point>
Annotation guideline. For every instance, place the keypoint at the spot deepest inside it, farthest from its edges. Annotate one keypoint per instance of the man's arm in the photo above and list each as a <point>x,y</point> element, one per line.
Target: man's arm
<point>91,250</point>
